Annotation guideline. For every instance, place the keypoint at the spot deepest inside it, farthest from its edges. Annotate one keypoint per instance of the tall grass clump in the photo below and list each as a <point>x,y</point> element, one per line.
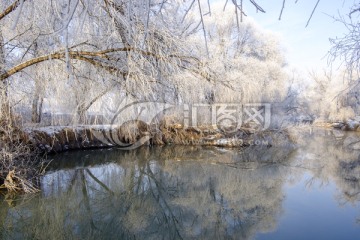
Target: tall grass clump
<point>20,162</point>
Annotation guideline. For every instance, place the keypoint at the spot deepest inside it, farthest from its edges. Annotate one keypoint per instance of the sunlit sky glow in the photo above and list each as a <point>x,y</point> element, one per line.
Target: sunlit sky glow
<point>306,47</point>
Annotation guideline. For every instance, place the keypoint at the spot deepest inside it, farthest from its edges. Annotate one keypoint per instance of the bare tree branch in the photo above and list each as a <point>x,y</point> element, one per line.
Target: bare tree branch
<point>203,27</point>
<point>282,9</point>
<point>257,6</point>
<point>312,13</point>
<point>10,9</point>
<point>84,56</point>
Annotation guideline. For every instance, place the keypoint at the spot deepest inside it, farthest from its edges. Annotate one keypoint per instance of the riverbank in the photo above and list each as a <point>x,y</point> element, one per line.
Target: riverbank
<point>345,125</point>
<point>22,177</point>
<point>58,139</point>
<point>192,184</point>
<point>64,138</point>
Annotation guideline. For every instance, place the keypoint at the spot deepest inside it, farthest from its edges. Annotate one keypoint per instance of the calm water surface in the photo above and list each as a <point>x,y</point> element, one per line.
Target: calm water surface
<point>307,192</point>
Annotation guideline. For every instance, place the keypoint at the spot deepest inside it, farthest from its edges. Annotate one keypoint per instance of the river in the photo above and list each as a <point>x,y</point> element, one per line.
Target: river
<point>310,190</point>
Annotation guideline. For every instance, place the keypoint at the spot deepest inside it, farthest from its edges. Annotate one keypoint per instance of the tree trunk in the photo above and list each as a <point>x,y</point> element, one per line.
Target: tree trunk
<point>81,113</point>
<point>83,107</point>
<point>4,100</point>
<point>36,107</point>
<point>37,99</point>
<point>2,54</point>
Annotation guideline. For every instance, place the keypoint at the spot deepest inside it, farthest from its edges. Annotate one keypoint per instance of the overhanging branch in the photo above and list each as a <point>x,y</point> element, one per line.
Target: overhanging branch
<point>87,56</point>
<point>10,9</point>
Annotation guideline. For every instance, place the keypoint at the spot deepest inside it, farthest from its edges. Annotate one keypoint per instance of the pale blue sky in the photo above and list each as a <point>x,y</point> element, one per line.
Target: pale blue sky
<point>305,46</point>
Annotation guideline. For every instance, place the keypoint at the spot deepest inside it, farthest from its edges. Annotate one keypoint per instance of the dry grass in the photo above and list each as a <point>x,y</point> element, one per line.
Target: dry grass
<point>20,164</point>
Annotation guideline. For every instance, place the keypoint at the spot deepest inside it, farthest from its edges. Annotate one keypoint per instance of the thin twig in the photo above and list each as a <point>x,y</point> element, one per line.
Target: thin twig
<point>282,9</point>
<point>203,26</point>
<point>307,24</point>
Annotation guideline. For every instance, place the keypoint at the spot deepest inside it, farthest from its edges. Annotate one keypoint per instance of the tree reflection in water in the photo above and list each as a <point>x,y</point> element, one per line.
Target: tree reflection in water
<point>175,192</point>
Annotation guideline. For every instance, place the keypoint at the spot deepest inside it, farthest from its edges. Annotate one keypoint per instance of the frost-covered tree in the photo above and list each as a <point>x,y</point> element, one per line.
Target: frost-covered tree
<point>327,96</point>
<point>124,40</point>
<point>247,59</point>
<point>347,48</point>
<point>243,62</point>
<point>151,51</point>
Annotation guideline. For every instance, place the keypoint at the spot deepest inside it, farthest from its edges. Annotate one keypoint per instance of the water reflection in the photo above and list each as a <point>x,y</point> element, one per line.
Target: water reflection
<point>176,192</point>
<point>333,159</point>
